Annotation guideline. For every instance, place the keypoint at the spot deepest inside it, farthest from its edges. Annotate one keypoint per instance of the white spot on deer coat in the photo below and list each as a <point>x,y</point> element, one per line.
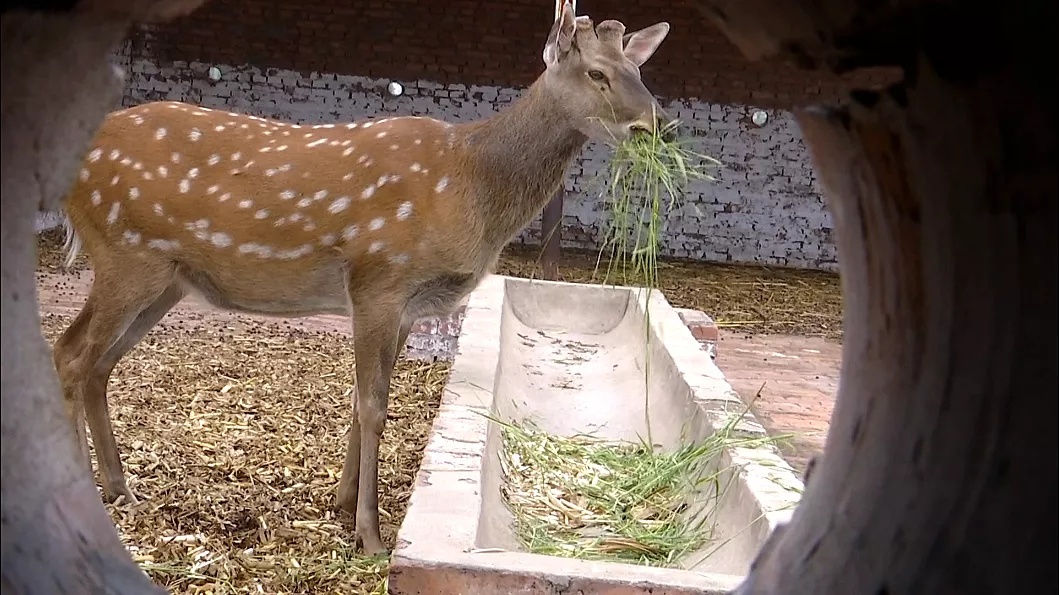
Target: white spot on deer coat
<point>114,181</point>
<point>399,259</point>
<point>194,135</point>
<point>376,223</point>
<point>246,204</point>
<point>287,194</point>
<point>132,238</point>
<point>328,239</point>
<point>350,232</point>
<point>112,216</point>
<point>259,250</point>
<point>415,167</point>
<point>95,155</point>
<point>214,159</point>
<point>236,156</point>
<point>404,210</point>
<point>163,171</point>
<point>213,189</point>
<point>263,213</point>
<point>316,143</point>
<point>97,198</point>
<point>114,154</point>
<point>219,128</point>
<point>304,203</point>
<point>164,245</point>
<point>158,210</point>
<point>221,240</point>
<point>375,246</point>
<point>348,151</point>
<point>368,192</point>
<point>185,186</point>
<point>193,173</point>
<point>442,184</point>
<point>159,134</point>
<point>126,161</point>
<point>340,204</point>
<point>175,157</point>
<point>381,134</point>
<point>134,193</point>
<point>224,196</point>
<point>83,175</point>
<point>294,253</point>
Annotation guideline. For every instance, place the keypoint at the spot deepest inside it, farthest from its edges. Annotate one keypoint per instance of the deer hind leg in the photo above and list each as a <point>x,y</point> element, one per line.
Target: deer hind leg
<point>101,324</point>
<point>64,353</point>
<point>377,331</point>
<point>96,409</point>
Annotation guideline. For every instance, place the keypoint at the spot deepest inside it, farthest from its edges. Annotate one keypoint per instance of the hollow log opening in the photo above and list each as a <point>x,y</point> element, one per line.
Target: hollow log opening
<point>939,474</point>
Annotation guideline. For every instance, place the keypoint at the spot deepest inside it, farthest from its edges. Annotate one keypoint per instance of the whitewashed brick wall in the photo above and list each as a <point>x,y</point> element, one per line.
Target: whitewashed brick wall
<point>765,206</point>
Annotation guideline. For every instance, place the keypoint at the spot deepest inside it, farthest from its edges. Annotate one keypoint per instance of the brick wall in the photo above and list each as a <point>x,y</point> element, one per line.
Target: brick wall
<point>320,60</point>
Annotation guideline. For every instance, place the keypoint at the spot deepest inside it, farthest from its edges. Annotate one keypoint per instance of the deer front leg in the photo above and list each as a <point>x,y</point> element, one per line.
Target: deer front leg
<point>348,484</point>
<point>376,339</point>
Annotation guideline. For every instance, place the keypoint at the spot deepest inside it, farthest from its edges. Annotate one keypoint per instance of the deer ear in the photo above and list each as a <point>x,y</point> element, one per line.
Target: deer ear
<point>561,37</point>
<point>641,45</point>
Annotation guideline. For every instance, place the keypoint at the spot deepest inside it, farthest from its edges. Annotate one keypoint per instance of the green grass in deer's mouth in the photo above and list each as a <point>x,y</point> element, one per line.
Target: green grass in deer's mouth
<point>647,175</point>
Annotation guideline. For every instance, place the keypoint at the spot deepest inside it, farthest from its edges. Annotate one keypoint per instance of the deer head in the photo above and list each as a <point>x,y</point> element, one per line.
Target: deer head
<point>593,72</point>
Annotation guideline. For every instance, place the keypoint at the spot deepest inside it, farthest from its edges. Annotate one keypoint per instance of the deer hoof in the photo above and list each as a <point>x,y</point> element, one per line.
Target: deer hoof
<point>374,549</point>
<point>120,495</point>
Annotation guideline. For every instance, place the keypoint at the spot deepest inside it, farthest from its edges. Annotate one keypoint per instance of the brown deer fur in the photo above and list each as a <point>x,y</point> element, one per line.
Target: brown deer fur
<point>389,220</point>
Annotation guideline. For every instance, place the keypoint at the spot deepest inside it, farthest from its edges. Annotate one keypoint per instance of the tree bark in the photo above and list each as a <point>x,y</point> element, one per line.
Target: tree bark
<point>57,86</point>
<point>939,473</point>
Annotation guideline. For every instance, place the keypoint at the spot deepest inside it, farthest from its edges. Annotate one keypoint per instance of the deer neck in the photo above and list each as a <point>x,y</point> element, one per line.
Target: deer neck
<point>519,158</point>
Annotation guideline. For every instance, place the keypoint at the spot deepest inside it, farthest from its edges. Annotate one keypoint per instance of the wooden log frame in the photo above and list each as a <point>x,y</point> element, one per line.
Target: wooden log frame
<point>939,471</point>
<point>940,467</point>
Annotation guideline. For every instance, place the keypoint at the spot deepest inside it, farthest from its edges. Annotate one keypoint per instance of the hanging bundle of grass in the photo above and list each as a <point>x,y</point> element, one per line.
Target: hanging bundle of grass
<point>648,175</point>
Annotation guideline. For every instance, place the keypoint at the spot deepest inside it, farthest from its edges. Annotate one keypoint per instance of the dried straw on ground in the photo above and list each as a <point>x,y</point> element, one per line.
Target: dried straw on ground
<point>234,437</point>
<point>234,434</point>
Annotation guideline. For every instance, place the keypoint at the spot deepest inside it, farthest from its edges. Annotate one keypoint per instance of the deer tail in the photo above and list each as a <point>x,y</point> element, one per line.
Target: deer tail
<point>72,243</point>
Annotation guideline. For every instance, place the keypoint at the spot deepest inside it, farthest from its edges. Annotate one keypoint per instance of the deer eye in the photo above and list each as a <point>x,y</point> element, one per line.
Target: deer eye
<point>596,75</point>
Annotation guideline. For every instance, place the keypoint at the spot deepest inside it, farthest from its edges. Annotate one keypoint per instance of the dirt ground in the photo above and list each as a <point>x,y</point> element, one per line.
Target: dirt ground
<point>233,432</point>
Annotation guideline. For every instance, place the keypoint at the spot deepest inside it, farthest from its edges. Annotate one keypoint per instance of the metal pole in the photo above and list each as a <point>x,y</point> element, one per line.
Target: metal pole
<point>551,234</point>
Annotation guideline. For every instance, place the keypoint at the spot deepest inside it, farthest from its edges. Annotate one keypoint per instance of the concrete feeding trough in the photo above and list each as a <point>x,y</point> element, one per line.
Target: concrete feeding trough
<point>571,358</point>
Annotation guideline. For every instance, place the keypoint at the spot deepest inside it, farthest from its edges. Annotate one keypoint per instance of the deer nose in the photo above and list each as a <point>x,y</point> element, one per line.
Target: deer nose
<point>661,123</point>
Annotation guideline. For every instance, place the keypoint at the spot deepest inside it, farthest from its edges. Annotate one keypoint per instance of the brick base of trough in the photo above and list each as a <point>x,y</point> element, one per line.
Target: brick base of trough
<point>417,579</point>
<point>434,339</point>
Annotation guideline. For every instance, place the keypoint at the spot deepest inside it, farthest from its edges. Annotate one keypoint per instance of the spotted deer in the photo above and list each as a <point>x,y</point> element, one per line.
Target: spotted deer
<point>388,220</point>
